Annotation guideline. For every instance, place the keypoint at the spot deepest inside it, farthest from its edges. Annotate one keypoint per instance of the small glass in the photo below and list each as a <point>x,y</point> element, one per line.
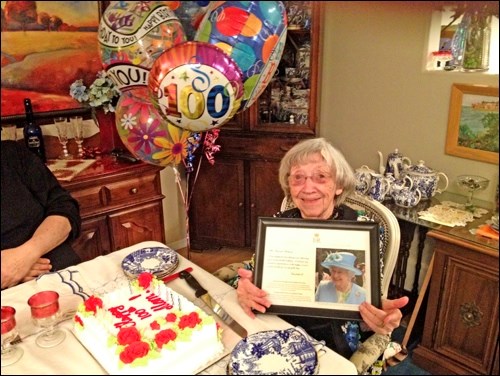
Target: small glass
<point>10,353</point>
<point>62,133</point>
<point>45,313</point>
<point>471,184</point>
<point>78,132</point>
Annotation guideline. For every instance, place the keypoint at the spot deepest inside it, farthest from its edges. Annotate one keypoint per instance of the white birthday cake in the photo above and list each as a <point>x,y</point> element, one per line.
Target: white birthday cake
<point>147,328</point>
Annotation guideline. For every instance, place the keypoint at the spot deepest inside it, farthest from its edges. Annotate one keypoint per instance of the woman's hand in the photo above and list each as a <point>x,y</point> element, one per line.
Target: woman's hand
<point>20,265</point>
<point>386,319</point>
<point>250,296</point>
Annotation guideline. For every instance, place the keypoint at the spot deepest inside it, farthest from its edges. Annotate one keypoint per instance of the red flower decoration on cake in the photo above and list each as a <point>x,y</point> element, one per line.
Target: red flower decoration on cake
<point>171,317</point>
<point>92,303</point>
<point>137,349</point>
<point>189,321</point>
<point>128,335</point>
<point>154,325</point>
<point>144,280</point>
<point>164,336</point>
<point>78,320</point>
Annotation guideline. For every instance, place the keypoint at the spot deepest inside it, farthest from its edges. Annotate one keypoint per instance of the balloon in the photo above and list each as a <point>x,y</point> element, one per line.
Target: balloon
<point>147,135</point>
<point>196,86</point>
<point>132,34</point>
<point>253,33</point>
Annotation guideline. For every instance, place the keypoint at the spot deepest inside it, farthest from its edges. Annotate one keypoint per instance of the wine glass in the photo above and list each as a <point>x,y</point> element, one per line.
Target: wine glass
<point>471,184</point>
<point>62,133</point>
<point>45,313</point>
<point>10,353</point>
<point>78,128</point>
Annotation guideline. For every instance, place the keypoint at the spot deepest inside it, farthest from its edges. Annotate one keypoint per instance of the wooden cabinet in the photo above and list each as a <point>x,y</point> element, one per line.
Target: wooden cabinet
<point>228,197</point>
<point>461,323</point>
<point>120,205</point>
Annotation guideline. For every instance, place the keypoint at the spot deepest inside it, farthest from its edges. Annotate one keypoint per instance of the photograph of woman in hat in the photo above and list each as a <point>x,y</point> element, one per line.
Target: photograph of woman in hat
<point>341,286</point>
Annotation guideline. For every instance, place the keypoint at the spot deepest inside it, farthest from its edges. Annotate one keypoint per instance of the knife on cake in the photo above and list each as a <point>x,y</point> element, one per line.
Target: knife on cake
<point>201,293</point>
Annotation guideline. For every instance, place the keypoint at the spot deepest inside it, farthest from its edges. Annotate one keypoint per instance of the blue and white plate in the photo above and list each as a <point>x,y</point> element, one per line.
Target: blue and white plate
<point>274,352</point>
<point>159,261</point>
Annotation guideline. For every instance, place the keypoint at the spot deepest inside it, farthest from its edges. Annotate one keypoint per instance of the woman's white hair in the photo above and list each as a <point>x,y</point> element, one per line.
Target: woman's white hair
<point>335,160</point>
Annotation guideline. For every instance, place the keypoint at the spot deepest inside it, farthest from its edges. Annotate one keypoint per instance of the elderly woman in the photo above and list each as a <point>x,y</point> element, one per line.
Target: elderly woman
<point>340,287</point>
<point>318,179</point>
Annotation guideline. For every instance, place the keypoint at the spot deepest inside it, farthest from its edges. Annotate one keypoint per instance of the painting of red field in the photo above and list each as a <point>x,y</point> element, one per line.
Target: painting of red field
<point>46,46</point>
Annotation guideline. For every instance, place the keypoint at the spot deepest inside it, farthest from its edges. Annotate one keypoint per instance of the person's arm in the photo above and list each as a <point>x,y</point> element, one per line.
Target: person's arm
<point>25,262</point>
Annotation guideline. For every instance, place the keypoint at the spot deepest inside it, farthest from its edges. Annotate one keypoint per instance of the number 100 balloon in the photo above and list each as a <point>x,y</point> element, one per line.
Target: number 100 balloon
<point>196,86</point>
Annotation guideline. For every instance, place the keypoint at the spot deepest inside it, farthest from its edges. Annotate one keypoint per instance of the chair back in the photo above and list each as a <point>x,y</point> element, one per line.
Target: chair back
<point>390,234</point>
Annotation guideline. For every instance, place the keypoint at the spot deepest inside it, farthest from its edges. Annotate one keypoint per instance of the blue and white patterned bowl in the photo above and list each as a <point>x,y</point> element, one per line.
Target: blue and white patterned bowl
<point>274,352</point>
<point>159,261</point>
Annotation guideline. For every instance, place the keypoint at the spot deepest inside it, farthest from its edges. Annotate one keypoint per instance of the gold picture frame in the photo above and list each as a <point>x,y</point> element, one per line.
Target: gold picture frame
<point>473,123</point>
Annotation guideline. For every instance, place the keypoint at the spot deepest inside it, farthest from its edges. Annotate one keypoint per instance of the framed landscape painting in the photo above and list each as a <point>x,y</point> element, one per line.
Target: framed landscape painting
<point>46,46</point>
<point>473,123</point>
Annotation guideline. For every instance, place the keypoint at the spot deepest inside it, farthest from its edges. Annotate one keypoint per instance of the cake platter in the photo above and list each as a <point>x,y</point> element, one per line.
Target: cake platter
<point>160,261</point>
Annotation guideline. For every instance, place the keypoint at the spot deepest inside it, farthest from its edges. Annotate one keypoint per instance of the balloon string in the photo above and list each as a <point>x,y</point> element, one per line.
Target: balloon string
<point>186,207</point>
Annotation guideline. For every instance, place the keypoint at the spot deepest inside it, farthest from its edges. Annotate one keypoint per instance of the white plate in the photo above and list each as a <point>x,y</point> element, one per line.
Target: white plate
<point>159,261</point>
<point>274,352</point>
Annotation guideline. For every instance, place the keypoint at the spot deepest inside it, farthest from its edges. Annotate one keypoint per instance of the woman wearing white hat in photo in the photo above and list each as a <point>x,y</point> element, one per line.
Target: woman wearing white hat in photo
<point>340,288</point>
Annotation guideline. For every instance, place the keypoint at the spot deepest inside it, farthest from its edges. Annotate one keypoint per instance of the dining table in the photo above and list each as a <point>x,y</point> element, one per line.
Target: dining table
<point>104,274</point>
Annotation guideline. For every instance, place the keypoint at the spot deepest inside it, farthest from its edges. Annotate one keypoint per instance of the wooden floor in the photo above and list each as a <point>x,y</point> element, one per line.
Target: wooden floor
<point>213,259</point>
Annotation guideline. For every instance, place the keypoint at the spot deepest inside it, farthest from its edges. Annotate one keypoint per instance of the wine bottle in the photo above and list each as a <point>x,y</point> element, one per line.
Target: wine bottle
<point>33,132</point>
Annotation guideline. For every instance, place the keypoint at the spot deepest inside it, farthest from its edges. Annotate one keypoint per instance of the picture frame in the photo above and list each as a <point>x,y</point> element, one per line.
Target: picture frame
<point>473,123</point>
<point>288,258</point>
<point>36,71</point>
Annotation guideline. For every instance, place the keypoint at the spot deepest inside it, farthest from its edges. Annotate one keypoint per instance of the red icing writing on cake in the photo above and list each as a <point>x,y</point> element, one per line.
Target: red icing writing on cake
<point>125,314</point>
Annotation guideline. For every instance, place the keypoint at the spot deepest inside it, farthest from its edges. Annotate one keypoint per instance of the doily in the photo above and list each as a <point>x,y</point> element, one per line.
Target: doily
<point>451,214</point>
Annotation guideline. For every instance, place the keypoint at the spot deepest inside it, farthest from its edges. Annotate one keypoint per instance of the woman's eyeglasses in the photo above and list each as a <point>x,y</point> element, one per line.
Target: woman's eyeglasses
<point>300,179</point>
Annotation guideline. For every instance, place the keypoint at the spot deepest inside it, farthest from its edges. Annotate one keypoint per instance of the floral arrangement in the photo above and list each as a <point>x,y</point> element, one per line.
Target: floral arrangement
<point>101,93</point>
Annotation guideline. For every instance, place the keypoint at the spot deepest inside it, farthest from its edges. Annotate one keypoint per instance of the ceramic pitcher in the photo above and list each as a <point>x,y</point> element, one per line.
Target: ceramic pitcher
<point>427,180</point>
<point>379,186</point>
<point>363,177</point>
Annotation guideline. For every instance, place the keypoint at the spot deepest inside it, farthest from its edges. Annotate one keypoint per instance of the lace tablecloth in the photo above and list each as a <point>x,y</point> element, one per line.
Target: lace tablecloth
<point>450,214</point>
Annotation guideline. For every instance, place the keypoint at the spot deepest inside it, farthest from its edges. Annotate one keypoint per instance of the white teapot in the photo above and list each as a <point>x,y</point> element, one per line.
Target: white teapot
<point>406,197</point>
<point>396,163</point>
<point>426,179</point>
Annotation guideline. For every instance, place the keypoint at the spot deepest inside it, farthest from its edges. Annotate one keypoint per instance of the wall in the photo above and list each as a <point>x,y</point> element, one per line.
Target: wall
<point>377,96</point>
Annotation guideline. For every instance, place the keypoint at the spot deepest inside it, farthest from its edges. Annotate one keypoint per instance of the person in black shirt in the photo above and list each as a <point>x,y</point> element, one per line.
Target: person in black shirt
<point>318,179</point>
<point>39,218</point>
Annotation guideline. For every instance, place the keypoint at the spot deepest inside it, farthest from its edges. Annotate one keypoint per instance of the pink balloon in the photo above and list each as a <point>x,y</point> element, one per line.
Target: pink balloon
<point>147,135</point>
<point>196,86</point>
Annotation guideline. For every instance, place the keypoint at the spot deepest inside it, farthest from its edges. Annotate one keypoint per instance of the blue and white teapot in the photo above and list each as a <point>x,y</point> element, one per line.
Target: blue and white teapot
<point>406,197</point>
<point>426,179</point>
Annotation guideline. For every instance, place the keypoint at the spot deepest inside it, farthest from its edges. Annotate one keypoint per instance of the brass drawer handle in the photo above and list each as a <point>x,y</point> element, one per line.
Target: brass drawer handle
<point>134,191</point>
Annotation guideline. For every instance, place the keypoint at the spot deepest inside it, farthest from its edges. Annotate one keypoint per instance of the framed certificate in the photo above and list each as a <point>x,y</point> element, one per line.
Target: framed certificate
<point>318,268</point>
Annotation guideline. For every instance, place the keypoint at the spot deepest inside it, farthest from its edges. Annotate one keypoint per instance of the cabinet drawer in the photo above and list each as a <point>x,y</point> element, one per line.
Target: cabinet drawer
<point>131,190</point>
<point>89,199</point>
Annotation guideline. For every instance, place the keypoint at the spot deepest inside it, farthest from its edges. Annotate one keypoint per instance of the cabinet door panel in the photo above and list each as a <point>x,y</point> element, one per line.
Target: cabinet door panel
<point>136,225</point>
<point>468,315</point>
<point>217,210</point>
<point>93,240</point>
<point>265,193</point>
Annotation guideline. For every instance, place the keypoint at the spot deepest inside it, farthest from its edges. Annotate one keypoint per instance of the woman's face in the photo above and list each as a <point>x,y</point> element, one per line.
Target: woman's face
<point>313,196</point>
<point>341,278</point>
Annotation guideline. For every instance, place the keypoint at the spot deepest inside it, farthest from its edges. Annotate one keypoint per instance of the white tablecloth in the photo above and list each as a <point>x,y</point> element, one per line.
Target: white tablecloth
<point>103,274</point>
